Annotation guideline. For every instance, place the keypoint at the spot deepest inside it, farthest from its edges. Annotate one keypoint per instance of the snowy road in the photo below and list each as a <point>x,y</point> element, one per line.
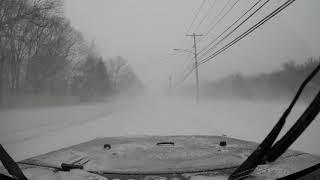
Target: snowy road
<point>29,132</point>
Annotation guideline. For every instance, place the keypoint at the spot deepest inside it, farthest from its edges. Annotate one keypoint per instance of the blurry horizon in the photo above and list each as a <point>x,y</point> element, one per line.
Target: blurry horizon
<point>146,32</point>
<point>75,70</point>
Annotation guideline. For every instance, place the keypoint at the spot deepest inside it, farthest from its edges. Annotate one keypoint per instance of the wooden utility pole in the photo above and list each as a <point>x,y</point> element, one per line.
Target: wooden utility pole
<point>170,82</point>
<point>196,62</point>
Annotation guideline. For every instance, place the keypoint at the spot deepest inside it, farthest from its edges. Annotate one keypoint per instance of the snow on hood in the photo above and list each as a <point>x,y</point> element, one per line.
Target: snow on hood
<point>140,155</point>
<point>46,174</point>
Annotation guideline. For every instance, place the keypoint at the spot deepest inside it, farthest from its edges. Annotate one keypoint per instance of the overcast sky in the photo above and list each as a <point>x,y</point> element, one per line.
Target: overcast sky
<point>146,31</point>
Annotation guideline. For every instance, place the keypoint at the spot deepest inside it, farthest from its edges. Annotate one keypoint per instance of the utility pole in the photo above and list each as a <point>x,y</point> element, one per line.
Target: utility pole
<point>196,63</point>
<point>170,82</point>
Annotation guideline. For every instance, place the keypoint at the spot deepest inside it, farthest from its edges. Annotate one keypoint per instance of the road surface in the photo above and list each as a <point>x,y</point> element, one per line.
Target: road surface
<point>30,132</point>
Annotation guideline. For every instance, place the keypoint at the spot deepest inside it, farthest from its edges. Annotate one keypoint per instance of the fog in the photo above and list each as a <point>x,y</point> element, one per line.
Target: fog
<point>75,70</point>
<point>146,32</point>
<point>25,133</point>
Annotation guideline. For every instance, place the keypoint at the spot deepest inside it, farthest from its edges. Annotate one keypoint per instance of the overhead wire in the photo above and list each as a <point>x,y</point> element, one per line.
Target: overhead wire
<point>220,19</point>
<point>249,31</point>
<point>216,22</point>
<point>201,6</point>
<point>218,15</point>
<point>196,15</point>
<point>206,15</point>
<point>240,37</point>
<point>214,40</point>
<point>215,45</point>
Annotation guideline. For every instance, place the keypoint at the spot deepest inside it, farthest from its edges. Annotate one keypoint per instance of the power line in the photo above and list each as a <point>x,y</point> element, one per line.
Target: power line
<point>197,12</point>
<point>221,18</point>
<point>206,16</point>
<point>230,26</point>
<point>218,15</point>
<point>258,9</point>
<point>250,30</point>
<point>185,63</point>
<point>184,77</point>
<point>218,21</point>
<point>257,25</point>
<point>196,62</point>
<point>188,58</point>
<point>196,15</point>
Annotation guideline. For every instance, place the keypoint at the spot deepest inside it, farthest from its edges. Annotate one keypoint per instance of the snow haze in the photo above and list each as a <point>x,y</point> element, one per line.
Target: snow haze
<point>146,32</point>
<point>82,69</point>
<point>30,132</point>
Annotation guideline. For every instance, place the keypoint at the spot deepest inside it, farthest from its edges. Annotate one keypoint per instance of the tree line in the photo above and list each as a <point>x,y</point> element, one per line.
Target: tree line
<point>41,54</point>
<point>281,84</point>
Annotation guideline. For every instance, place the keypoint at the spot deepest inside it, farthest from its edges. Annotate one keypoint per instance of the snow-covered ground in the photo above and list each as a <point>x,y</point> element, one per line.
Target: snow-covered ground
<point>29,132</point>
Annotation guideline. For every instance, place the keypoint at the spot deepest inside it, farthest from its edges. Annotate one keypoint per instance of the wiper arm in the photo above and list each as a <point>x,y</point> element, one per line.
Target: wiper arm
<point>256,157</point>
<point>11,166</point>
<point>265,151</point>
<point>295,131</point>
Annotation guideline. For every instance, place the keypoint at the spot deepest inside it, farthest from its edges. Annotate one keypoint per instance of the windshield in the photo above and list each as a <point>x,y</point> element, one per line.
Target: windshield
<point>72,71</point>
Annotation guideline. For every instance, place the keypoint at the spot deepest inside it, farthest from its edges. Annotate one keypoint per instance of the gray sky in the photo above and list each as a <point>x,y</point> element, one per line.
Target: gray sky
<point>146,31</point>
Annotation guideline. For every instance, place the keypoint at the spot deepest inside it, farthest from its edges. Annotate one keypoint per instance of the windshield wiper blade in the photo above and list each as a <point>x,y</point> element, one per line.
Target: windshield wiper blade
<point>295,131</point>
<point>11,166</point>
<point>256,157</point>
<point>263,152</point>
